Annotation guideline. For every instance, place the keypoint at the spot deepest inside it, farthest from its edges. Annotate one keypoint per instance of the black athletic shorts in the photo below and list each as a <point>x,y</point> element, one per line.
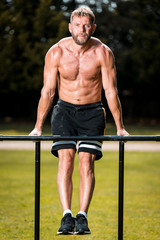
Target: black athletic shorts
<point>78,120</point>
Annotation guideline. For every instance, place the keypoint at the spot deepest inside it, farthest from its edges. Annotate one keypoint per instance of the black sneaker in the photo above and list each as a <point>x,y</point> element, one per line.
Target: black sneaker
<point>81,225</point>
<point>67,224</point>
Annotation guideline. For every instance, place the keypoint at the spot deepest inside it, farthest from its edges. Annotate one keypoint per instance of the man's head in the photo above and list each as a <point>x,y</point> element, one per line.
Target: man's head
<point>81,12</point>
<point>82,25</point>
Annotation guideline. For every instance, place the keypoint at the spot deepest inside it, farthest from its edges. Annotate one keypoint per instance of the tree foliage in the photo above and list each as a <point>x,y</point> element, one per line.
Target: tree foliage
<point>130,28</point>
<point>28,30</point>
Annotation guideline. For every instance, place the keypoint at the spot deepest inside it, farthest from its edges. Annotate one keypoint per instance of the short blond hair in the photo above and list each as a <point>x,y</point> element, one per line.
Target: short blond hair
<point>83,11</point>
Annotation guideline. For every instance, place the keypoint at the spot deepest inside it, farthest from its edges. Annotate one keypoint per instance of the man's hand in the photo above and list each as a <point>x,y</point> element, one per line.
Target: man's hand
<point>36,132</point>
<point>122,132</point>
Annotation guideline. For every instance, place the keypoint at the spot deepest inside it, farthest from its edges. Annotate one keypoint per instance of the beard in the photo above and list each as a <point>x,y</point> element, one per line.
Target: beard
<point>81,41</point>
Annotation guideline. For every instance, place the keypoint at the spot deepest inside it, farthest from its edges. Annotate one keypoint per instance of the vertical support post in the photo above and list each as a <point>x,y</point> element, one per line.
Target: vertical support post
<point>121,190</point>
<point>37,190</point>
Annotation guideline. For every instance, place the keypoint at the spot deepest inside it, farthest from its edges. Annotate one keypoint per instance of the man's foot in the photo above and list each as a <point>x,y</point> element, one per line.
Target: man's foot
<point>81,225</point>
<point>67,224</point>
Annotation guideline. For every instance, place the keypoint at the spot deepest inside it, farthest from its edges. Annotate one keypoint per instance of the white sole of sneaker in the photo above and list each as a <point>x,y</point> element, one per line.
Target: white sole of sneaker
<point>65,233</point>
<point>82,233</point>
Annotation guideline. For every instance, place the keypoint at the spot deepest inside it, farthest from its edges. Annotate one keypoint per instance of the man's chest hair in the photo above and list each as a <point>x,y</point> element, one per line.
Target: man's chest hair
<point>73,66</point>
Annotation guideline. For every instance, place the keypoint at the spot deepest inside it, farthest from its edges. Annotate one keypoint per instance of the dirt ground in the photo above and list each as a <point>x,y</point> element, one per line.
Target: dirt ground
<point>107,146</point>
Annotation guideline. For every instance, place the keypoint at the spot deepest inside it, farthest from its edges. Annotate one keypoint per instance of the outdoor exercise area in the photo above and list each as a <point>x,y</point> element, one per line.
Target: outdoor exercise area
<point>79,79</point>
<point>19,199</point>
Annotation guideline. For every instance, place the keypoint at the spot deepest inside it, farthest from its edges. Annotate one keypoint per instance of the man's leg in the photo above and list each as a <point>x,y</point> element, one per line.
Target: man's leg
<point>64,177</point>
<point>86,188</point>
<point>87,179</point>
<point>65,186</point>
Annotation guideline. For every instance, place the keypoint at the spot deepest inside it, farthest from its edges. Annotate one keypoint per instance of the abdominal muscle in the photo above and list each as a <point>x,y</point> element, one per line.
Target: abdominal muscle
<point>79,76</point>
<point>80,91</point>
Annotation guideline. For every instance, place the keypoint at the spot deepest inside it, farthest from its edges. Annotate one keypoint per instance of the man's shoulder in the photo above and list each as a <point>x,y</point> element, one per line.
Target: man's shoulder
<point>100,45</point>
<point>64,41</point>
<point>103,52</point>
<point>58,47</point>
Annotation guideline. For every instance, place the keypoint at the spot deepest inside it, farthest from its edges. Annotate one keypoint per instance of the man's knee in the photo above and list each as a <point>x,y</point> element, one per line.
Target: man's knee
<point>86,162</point>
<point>66,160</point>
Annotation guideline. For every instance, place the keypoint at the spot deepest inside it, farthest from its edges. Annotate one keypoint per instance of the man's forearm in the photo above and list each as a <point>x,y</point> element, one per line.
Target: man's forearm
<point>44,106</point>
<point>116,110</point>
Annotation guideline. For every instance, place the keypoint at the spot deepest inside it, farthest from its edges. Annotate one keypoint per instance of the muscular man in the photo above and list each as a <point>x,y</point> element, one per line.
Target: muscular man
<point>80,65</point>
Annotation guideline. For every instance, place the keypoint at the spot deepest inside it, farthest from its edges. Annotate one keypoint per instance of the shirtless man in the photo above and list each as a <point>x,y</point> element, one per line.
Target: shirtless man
<point>80,65</point>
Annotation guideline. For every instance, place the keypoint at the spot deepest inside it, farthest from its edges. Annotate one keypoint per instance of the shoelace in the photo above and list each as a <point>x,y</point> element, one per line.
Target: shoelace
<point>81,219</point>
<point>67,219</point>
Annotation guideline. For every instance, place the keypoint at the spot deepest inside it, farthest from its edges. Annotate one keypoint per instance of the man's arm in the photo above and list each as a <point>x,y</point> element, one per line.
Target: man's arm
<point>48,90</point>
<point>110,87</point>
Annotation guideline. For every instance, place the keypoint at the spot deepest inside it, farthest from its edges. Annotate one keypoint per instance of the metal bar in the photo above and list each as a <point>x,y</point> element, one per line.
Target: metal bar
<point>100,138</point>
<point>37,190</point>
<point>121,140</point>
<point>121,190</point>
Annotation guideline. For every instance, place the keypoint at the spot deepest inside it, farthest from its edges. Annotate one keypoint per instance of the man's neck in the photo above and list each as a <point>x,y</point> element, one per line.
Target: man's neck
<point>79,49</point>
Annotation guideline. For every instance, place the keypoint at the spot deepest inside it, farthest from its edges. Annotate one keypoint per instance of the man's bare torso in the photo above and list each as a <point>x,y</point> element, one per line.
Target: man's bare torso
<point>79,74</point>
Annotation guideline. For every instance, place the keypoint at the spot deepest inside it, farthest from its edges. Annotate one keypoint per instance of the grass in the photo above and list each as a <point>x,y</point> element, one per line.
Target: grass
<point>24,128</point>
<point>142,197</point>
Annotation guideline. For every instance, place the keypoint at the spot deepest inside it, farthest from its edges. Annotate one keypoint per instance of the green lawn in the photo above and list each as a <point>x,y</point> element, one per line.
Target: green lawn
<point>142,197</point>
<point>24,128</point>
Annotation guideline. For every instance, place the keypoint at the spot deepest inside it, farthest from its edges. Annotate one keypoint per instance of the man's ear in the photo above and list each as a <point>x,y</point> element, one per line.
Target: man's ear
<point>70,27</point>
<point>94,28</point>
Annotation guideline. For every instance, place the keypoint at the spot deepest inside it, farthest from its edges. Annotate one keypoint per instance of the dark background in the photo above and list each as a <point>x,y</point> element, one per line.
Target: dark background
<point>130,28</point>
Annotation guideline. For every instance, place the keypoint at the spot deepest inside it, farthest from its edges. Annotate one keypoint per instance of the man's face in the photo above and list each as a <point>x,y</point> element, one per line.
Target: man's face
<point>81,29</point>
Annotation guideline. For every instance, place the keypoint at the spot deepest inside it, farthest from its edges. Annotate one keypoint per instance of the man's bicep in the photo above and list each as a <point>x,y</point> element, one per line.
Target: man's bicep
<point>109,80</point>
<point>108,70</point>
<point>50,72</point>
<point>50,78</point>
